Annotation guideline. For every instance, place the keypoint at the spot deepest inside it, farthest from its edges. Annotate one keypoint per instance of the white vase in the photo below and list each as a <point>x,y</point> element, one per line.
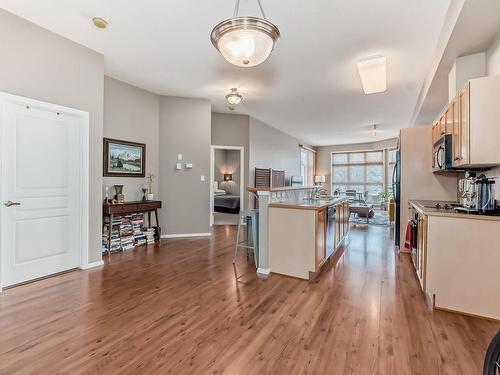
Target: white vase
<point>149,196</point>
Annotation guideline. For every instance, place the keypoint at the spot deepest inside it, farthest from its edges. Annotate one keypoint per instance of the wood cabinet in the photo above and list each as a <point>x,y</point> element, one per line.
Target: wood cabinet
<point>341,222</point>
<point>461,155</point>
<point>443,126</point>
<point>472,118</point>
<point>321,228</point>
<point>435,133</point>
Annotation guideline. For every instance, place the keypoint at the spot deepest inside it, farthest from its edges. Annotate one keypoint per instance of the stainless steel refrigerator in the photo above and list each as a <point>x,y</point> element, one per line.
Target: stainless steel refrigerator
<point>396,192</point>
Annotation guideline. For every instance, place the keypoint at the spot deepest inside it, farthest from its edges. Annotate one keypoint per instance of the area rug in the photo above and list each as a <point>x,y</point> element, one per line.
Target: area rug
<point>379,218</point>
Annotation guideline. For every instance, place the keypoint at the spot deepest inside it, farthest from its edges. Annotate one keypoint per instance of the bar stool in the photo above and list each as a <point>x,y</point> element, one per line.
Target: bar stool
<point>252,219</point>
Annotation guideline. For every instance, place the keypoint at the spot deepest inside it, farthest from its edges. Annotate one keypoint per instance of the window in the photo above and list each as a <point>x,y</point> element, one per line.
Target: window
<point>361,171</point>
<point>307,165</point>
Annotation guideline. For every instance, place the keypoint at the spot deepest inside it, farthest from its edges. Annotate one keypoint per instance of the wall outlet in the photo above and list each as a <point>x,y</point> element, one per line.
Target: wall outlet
<point>189,166</point>
<point>202,178</point>
<point>178,166</point>
<point>179,156</point>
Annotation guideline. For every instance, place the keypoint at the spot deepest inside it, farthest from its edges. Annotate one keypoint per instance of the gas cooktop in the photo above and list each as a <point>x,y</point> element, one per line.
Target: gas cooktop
<point>458,208</point>
<point>444,206</point>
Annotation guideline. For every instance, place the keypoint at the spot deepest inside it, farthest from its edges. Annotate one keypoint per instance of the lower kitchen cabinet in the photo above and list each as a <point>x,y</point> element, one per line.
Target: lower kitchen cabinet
<point>303,236</point>
<point>456,259</point>
<point>341,222</point>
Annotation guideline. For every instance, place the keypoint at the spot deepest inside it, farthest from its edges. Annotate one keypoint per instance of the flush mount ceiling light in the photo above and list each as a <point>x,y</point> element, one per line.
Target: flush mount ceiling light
<point>100,22</point>
<point>373,74</point>
<point>234,98</point>
<point>245,41</point>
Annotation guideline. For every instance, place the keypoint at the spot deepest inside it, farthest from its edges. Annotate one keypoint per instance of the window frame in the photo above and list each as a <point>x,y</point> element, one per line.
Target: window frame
<point>384,163</point>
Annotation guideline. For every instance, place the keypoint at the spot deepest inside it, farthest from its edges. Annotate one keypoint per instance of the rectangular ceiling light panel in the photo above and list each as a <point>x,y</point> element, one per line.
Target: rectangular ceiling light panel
<point>373,74</point>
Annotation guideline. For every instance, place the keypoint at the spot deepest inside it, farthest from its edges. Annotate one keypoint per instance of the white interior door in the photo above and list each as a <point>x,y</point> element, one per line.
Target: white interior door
<point>41,202</point>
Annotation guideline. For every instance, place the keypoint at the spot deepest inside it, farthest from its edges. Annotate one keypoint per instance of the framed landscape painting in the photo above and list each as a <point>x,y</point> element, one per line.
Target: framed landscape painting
<point>124,159</point>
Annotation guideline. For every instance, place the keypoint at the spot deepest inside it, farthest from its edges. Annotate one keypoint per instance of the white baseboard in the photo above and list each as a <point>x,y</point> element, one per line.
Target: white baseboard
<point>93,265</point>
<point>186,235</point>
<point>263,271</point>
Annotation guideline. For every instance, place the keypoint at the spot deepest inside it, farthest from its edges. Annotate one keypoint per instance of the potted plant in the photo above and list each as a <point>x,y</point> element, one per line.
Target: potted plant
<point>385,195</point>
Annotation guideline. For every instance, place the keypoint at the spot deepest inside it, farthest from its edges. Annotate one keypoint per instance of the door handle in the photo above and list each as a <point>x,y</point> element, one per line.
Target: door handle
<point>10,203</point>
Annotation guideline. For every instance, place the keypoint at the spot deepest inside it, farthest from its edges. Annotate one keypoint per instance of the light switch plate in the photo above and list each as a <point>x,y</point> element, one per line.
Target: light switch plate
<point>202,178</point>
<point>179,156</point>
<point>178,166</point>
<point>189,166</point>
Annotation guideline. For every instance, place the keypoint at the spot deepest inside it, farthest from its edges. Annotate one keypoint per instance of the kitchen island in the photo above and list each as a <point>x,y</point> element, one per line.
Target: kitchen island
<point>456,257</point>
<point>304,234</point>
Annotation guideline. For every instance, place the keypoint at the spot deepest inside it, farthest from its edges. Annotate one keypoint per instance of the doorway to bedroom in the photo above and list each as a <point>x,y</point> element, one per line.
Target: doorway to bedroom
<point>227,180</point>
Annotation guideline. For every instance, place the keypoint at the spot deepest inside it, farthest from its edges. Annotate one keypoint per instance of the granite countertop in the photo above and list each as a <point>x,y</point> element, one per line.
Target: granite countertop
<point>307,204</point>
<point>421,206</point>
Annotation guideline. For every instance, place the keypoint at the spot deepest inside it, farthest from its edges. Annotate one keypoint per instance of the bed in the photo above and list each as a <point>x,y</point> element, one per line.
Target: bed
<point>227,203</point>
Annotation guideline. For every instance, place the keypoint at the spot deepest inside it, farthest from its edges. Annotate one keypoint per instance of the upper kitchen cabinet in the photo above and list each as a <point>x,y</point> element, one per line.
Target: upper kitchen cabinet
<point>473,117</point>
<point>443,126</point>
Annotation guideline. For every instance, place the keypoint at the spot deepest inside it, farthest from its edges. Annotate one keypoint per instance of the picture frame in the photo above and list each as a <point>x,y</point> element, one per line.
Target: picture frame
<point>123,158</point>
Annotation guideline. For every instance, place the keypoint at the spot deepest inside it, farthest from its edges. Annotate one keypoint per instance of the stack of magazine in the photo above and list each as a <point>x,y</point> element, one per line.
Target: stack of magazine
<point>115,235</point>
<point>150,235</point>
<point>127,232</point>
<point>139,236</point>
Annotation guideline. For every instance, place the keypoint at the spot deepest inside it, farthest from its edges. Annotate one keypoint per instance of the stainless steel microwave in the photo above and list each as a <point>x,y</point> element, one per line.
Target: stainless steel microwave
<point>443,154</point>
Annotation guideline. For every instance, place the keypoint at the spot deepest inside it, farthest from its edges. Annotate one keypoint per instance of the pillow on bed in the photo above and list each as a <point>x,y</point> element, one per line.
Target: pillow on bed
<point>219,192</point>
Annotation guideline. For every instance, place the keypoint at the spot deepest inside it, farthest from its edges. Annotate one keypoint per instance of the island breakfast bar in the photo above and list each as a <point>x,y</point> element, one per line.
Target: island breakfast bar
<point>297,235</point>
<point>304,234</point>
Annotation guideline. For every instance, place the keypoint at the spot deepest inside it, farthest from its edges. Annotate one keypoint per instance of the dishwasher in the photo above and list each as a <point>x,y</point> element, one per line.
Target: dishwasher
<point>330,231</point>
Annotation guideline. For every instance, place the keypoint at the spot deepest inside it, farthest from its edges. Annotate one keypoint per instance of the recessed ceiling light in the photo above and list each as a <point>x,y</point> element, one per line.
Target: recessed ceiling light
<point>234,98</point>
<point>373,74</point>
<point>245,41</point>
<point>100,22</point>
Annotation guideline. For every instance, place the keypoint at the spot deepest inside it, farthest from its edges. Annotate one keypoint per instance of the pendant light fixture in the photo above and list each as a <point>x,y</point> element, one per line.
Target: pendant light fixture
<point>234,98</point>
<point>245,41</point>
<point>374,131</point>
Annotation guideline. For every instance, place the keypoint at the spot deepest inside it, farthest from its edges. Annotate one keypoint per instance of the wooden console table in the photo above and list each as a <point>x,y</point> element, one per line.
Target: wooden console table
<point>132,207</point>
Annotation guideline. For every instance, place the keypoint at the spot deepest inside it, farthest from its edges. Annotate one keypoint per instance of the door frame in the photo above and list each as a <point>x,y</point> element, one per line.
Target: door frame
<point>241,149</point>
<point>83,152</point>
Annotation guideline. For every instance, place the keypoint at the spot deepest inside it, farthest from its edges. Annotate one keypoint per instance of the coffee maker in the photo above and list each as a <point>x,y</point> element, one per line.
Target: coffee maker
<point>485,194</point>
<point>477,194</point>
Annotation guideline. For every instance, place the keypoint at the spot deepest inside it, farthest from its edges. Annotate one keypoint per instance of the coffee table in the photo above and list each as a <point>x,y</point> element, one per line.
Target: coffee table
<point>362,210</point>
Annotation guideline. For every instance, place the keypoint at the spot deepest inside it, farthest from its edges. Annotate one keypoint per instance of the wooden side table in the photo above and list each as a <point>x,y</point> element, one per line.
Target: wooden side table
<point>132,207</point>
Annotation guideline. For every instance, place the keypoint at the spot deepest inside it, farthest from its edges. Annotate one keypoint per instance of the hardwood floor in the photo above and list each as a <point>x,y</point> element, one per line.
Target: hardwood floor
<point>184,309</point>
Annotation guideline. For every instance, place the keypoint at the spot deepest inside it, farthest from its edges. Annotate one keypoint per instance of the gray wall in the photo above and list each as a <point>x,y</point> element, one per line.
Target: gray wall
<point>233,130</point>
<point>271,148</point>
<point>132,114</point>
<point>184,129</point>
<point>323,156</point>
<point>39,64</point>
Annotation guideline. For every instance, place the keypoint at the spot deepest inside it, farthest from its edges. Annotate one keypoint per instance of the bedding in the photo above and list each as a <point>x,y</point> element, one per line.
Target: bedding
<point>219,192</point>
<point>227,203</point>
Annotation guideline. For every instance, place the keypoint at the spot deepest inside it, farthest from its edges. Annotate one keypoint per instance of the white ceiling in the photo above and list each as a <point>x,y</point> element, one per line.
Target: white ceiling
<point>309,87</point>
